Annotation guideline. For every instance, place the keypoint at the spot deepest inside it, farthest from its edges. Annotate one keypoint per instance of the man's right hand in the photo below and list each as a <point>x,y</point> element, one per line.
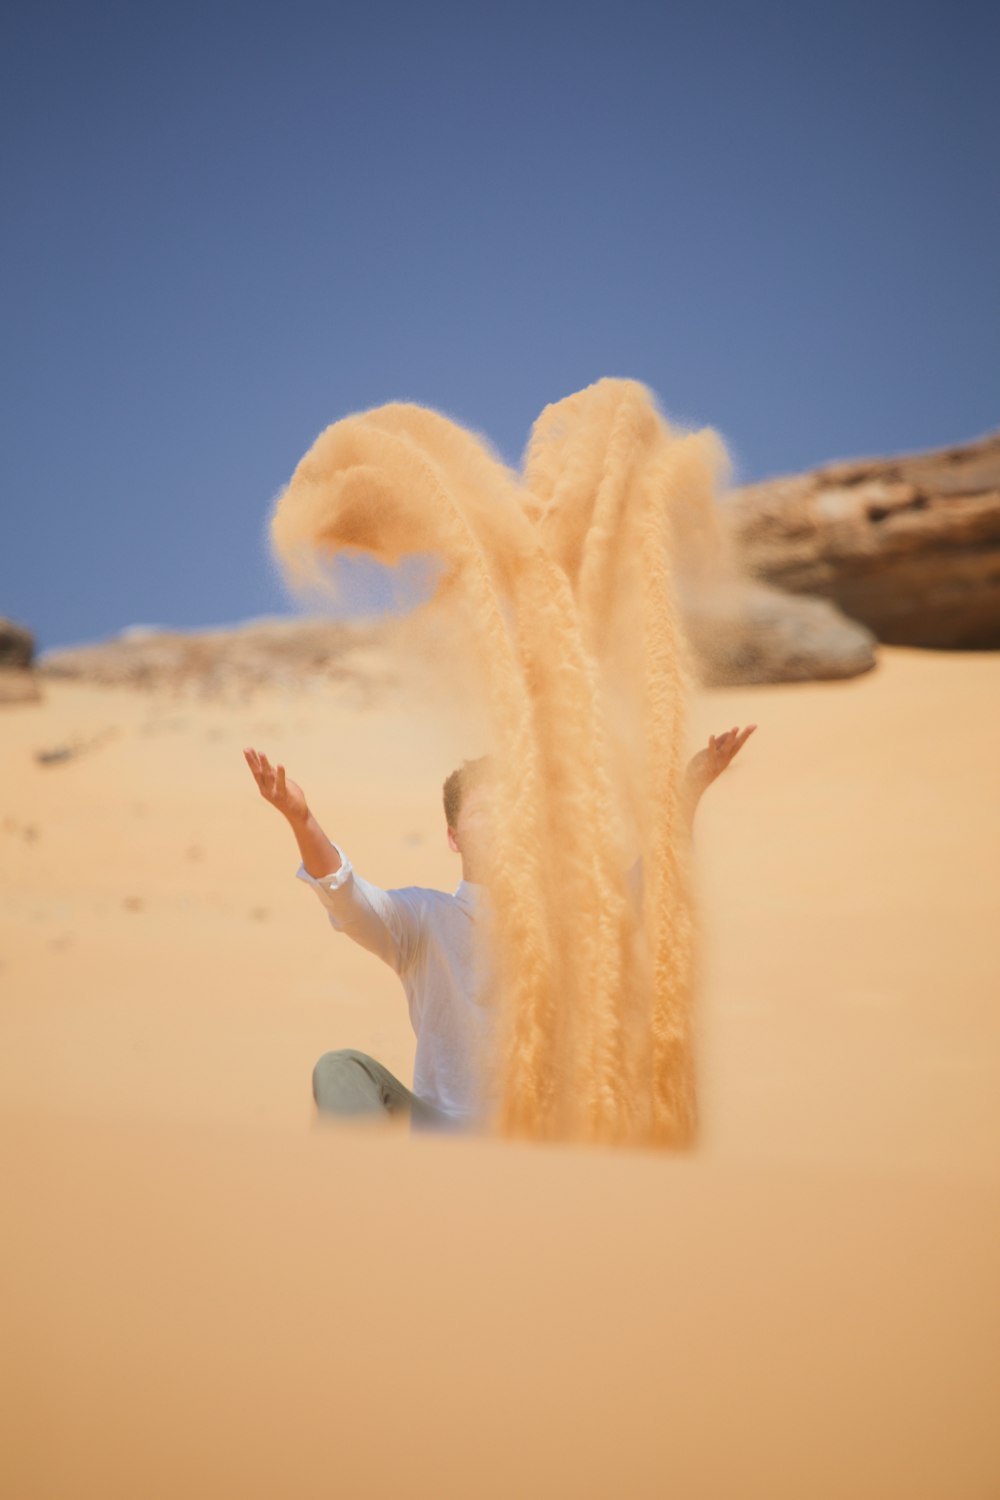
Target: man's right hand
<point>287,796</point>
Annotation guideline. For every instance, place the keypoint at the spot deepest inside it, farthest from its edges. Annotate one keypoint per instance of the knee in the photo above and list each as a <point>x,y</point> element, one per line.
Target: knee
<point>331,1064</point>
<point>330,1070</point>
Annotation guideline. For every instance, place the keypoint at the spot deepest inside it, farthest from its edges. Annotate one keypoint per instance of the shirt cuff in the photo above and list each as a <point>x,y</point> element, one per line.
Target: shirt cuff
<point>326,885</point>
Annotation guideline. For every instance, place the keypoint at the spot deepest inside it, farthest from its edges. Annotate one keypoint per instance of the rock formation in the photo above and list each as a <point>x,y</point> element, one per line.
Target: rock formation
<point>18,683</point>
<point>740,632</point>
<point>744,632</point>
<point>17,646</point>
<point>909,546</point>
<point>227,662</point>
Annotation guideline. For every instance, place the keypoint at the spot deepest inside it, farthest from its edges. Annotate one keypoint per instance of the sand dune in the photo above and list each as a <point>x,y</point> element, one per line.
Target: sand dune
<point>211,1293</point>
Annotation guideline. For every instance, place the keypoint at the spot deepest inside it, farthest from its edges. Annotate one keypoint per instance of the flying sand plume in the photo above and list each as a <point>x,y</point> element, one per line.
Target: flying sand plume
<point>560,584</point>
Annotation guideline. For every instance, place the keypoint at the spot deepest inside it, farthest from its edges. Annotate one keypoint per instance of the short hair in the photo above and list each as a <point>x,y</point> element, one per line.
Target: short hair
<point>471,773</point>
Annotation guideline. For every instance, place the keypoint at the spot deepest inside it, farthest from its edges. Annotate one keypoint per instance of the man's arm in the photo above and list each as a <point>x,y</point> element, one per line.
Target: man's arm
<point>707,764</point>
<point>702,770</point>
<point>319,856</point>
<point>384,922</point>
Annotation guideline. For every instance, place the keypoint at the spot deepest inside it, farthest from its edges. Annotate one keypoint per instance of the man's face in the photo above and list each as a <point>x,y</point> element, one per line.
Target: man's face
<point>471,835</point>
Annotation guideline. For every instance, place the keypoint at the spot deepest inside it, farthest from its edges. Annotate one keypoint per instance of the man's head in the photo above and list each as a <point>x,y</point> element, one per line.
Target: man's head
<point>466,811</point>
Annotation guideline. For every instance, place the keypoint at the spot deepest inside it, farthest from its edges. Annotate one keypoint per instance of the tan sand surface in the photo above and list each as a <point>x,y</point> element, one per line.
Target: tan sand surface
<point>209,1293</point>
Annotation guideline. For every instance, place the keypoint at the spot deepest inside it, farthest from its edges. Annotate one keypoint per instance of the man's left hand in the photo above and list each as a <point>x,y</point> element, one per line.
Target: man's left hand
<point>707,764</point>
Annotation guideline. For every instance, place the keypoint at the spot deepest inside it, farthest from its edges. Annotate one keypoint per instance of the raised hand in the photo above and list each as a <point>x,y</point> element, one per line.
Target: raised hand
<point>287,796</point>
<point>707,764</point>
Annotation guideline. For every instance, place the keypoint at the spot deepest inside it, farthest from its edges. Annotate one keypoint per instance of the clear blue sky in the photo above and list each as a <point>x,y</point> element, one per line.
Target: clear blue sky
<point>229,224</point>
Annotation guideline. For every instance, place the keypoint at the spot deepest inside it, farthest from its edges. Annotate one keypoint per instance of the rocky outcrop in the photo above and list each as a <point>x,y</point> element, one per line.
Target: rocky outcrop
<point>747,633</point>
<point>222,663</point>
<point>18,683</point>
<point>908,546</point>
<point>739,632</point>
<point>17,646</point>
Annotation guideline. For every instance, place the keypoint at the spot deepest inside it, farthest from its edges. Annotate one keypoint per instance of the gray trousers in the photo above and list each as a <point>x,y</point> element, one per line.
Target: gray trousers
<point>350,1083</point>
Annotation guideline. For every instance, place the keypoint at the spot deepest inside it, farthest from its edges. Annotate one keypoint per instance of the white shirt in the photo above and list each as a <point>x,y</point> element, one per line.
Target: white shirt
<point>439,946</point>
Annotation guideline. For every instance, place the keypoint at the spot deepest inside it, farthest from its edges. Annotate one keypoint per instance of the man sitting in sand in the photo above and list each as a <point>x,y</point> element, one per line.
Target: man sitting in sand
<point>429,938</point>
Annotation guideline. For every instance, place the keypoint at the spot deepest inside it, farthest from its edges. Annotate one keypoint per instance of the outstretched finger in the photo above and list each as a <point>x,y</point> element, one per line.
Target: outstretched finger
<point>280,782</point>
<point>738,743</point>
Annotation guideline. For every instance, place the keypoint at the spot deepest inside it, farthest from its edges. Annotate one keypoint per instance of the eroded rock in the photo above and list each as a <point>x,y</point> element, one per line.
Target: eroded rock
<point>288,653</point>
<point>748,633</point>
<point>18,683</point>
<point>17,646</point>
<point>910,546</point>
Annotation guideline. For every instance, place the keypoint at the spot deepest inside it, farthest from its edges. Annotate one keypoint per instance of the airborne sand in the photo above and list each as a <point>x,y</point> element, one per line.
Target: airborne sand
<point>208,1294</point>
<point>558,588</point>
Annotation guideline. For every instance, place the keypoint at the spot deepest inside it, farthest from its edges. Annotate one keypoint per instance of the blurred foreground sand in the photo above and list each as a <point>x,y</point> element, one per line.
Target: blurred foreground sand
<point>210,1293</point>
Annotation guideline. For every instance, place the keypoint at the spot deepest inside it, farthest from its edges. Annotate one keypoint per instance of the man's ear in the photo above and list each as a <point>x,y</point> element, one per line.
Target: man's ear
<point>453,842</point>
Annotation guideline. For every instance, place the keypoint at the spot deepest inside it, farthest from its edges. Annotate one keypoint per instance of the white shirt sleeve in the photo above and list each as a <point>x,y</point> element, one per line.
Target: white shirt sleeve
<point>387,923</point>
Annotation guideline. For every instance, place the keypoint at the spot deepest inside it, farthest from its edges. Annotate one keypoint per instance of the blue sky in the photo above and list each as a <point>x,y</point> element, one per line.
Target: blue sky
<point>228,225</point>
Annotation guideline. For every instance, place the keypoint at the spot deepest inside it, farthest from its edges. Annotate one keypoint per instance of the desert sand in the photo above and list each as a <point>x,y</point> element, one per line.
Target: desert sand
<point>210,1292</point>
